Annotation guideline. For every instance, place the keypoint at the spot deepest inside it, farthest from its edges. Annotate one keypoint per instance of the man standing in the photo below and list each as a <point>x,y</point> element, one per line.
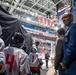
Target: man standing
<point>69,59</point>
<point>47,58</point>
<point>59,52</point>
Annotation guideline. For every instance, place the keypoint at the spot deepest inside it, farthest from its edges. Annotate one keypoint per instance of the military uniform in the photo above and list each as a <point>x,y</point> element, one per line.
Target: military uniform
<point>69,60</point>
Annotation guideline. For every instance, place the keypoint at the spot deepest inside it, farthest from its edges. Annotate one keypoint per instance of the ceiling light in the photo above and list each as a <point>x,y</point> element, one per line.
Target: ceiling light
<point>28,19</point>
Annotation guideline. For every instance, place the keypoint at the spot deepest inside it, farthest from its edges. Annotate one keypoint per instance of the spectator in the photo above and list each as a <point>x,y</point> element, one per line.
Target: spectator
<point>69,59</point>
<point>59,52</point>
<point>47,58</point>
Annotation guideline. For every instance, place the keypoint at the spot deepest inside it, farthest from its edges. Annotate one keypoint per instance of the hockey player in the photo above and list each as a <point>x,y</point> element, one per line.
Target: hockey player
<point>2,58</point>
<point>17,61</point>
<point>35,61</point>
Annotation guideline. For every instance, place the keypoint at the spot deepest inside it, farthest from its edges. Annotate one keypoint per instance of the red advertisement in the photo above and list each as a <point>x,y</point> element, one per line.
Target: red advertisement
<point>46,21</point>
<point>40,19</point>
<point>43,20</point>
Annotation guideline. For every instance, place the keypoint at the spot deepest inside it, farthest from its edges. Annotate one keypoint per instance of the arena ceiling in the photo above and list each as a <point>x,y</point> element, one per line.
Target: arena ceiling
<point>32,7</point>
<point>22,9</point>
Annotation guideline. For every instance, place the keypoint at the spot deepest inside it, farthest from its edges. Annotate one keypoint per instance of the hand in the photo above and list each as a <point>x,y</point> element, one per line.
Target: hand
<point>63,67</point>
<point>55,73</point>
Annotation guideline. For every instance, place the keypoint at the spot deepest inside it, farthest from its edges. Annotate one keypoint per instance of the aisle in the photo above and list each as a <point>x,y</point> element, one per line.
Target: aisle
<point>47,71</point>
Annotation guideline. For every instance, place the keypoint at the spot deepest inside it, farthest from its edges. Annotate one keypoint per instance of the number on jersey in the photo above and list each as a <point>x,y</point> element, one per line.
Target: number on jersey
<point>10,62</point>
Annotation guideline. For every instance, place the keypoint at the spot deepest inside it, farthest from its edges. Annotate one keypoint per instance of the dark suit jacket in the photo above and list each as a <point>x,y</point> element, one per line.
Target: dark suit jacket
<point>58,53</point>
<point>69,59</point>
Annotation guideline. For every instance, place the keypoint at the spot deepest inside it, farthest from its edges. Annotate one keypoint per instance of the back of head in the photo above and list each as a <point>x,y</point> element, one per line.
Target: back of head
<point>33,49</point>
<point>37,43</point>
<point>61,31</point>
<point>17,40</point>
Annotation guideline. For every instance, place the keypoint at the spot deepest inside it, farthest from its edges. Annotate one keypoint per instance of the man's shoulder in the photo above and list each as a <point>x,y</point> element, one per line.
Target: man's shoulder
<point>15,49</point>
<point>74,24</point>
<point>21,51</point>
<point>60,39</point>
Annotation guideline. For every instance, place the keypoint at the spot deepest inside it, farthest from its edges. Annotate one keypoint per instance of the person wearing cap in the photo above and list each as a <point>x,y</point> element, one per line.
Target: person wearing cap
<point>59,52</point>
<point>69,59</point>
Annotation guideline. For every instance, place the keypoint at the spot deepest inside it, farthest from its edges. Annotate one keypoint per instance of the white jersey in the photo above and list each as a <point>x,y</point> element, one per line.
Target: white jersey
<point>17,61</point>
<point>2,61</point>
<point>34,59</point>
<point>2,56</point>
